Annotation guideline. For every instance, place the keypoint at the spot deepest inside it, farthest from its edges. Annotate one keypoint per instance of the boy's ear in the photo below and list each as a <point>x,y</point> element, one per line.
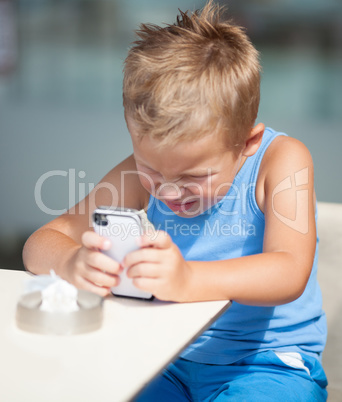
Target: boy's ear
<point>253,142</point>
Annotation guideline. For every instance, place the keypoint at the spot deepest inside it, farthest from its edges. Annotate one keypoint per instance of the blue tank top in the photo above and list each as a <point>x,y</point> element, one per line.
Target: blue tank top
<point>232,228</point>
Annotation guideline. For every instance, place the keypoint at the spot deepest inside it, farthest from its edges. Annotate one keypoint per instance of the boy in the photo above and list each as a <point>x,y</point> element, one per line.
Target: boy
<point>234,208</point>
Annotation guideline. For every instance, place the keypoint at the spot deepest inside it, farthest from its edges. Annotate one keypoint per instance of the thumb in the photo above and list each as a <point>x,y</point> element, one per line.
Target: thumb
<point>93,240</point>
<point>160,239</point>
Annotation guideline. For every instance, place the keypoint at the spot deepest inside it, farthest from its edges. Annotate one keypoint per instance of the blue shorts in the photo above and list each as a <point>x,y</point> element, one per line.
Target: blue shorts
<point>261,377</point>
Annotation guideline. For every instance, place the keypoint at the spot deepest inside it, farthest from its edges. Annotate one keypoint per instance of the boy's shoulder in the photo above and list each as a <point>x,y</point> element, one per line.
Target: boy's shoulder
<point>286,161</point>
<point>285,154</point>
<point>284,145</point>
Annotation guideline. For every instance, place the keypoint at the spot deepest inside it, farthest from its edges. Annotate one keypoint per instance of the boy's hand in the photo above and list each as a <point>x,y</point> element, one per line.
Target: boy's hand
<point>92,270</point>
<point>159,268</point>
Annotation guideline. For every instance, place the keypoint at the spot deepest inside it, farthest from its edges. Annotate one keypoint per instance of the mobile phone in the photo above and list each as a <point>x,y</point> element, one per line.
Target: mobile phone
<point>123,227</point>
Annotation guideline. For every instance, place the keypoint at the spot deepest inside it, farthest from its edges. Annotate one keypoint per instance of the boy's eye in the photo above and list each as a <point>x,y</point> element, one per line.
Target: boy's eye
<point>198,177</point>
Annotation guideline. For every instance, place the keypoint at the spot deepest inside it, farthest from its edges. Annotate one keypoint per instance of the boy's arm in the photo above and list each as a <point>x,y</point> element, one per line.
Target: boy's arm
<point>279,275</point>
<point>68,244</point>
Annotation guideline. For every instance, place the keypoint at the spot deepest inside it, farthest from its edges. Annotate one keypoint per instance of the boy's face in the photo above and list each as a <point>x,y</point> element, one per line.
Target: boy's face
<point>189,177</point>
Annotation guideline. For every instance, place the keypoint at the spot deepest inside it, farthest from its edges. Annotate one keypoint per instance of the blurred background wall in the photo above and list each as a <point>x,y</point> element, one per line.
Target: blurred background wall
<point>61,115</point>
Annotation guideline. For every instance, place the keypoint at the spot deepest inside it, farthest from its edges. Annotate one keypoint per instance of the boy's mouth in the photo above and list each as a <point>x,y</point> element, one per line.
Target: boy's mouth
<point>179,206</point>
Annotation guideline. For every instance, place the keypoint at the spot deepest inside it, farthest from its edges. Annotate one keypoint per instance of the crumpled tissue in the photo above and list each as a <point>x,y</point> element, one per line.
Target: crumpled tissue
<point>58,295</point>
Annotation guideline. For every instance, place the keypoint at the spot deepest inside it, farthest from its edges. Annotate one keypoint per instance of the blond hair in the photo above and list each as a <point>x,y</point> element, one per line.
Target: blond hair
<point>198,76</point>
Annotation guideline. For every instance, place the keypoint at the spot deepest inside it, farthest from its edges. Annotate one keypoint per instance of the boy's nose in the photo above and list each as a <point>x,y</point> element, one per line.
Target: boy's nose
<point>170,191</point>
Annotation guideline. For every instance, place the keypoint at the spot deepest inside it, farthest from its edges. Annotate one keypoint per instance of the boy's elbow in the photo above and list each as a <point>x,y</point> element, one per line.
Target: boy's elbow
<point>26,254</point>
<point>297,294</point>
<point>291,295</point>
<point>32,253</point>
<point>299,287</point>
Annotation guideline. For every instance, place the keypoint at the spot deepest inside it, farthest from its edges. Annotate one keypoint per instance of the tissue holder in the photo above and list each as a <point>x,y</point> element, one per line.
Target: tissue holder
<point>87,318</point>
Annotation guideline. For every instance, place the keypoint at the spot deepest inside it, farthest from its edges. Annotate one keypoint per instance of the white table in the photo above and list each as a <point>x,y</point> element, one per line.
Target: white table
<point>136,341</point>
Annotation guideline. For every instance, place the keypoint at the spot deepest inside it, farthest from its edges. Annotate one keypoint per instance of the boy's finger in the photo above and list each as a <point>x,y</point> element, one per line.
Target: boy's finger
<point>146,254</point>
<point>144,270</point>
<point>96,259</point>
<point>160,239</point>
<point>95,241</point>
<point>147,284</point>
<point>102,279</point>
<point>91,287</point>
